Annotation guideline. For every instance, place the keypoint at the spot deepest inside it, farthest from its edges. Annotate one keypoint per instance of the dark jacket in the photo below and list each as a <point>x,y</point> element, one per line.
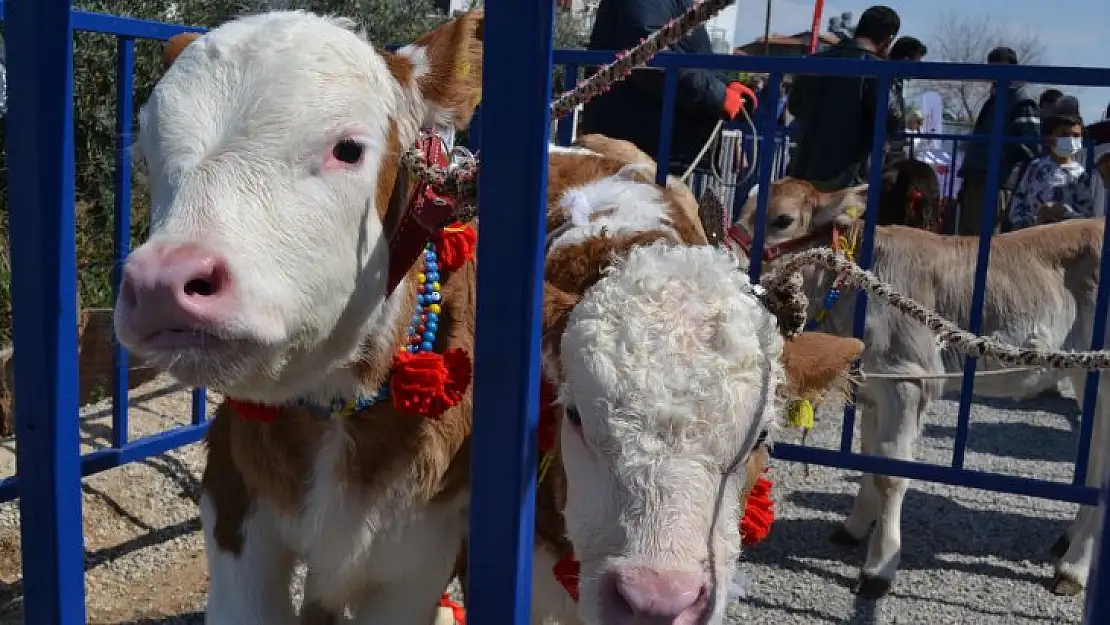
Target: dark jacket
<point>896,147</point>
<point>632,109</point>
<point>1022,119</point>
<point>836,121</point>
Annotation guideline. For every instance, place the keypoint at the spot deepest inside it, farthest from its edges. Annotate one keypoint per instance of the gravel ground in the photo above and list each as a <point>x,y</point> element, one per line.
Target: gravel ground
<point>970,557</point>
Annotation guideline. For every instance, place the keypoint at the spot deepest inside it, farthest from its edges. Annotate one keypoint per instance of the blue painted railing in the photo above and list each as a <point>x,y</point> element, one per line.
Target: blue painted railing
<point>41,187</point>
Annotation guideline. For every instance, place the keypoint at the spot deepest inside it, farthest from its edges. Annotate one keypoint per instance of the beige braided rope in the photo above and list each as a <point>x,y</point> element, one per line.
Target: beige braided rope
<point>783,296</point>
<point>672,32</point>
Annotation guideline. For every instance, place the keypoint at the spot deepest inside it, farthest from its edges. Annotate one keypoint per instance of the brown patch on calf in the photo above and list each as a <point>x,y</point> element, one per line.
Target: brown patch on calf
<point>391,196</point>
<point>576,267</point>
<point>453,79</point>
<point>816,362</point>
<point>175,46</point>
<point>431,454</point>
<point>399,66</point>
<point>223,483</point>
<point>684,206</point>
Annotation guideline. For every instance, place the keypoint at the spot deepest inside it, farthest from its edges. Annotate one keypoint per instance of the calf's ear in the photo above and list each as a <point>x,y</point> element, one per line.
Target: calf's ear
<point>175,46</point>
<point>840,208</point>
<point>817,363</point>
<point>446,67</point>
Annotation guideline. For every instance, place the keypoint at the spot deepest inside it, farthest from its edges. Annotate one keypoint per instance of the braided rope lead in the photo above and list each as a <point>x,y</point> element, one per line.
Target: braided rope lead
<point>782,285</point>
<point>461,182</point>
<point>672,32</point>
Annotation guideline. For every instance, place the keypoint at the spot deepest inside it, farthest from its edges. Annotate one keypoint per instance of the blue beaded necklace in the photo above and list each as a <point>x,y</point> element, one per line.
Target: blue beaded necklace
<point>421,337</point>
<point>848,248</point>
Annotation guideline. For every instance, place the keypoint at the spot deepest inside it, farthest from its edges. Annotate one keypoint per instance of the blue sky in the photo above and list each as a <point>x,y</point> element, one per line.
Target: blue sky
<point>1074,32</point>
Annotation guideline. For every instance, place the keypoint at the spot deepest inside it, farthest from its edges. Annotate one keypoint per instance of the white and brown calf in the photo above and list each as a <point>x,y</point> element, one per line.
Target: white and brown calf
<point>668,368</point>
<point>273,146</point>
<point>1041,286</point>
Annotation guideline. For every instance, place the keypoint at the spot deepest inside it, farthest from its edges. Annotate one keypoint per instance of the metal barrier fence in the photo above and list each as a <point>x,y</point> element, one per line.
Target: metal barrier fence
<point>41,161</point>
<point>844,458</point>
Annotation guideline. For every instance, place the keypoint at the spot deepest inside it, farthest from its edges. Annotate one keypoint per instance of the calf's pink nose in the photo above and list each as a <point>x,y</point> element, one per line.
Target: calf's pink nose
<point>176,287</point>
<point>644,595</point>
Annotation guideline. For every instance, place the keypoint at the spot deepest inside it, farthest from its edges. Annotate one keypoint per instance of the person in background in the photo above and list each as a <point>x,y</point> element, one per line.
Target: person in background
<point>1022,119</point>
<point>1048,99</point>
<point>1102,181</point>
<point>1099,132</point>
<point>835,115</point>
<point>632,109</point>
<point>1055,186</point>
<point>905,49</point>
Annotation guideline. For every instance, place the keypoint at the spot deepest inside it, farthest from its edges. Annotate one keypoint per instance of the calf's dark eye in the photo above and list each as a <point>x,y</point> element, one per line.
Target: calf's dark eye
<point>782,221</point>
<point>348,151</point>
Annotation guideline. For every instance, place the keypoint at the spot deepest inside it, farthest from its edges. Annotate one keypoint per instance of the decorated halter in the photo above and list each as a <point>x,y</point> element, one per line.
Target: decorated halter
<point>421,381</point>
<point>759,510</point>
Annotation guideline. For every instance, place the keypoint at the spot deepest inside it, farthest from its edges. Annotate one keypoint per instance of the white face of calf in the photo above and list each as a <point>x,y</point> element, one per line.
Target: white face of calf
<point>272,145</point>
<point>671,368</point>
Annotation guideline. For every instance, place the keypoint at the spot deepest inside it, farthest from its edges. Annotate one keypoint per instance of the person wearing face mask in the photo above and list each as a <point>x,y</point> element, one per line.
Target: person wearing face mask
<point>1022,121</point>
<point>1055,186</point>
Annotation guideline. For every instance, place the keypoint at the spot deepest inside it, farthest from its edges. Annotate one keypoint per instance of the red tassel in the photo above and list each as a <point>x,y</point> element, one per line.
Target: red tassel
<point>254,412</point>
<point>457,611</point>
<point>566,573</point>
<point>455,246</point>
<point>549,425</point>
<point>759,513</point>
<point>429,384</point>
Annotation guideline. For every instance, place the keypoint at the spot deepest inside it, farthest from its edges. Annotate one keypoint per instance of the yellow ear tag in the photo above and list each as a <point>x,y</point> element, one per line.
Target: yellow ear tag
<point>800,414</point>
<point>854,211</point>
<point>463,70</point>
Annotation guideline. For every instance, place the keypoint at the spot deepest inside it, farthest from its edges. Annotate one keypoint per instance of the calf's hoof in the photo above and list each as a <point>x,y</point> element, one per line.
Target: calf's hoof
<point>844,538</point>
<point>1064,585</point>
<point>871,587</point>
<point>1060,547</point>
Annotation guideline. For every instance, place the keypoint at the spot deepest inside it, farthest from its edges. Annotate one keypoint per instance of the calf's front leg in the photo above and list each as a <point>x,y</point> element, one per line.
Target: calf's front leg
<point>899,406</point>
<point>248,582</point>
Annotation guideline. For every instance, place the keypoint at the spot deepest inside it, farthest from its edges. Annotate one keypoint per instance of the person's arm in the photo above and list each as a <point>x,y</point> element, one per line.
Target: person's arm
<point>1023,213</point>
<point>699,91</point>
<point>1084,198</point>
<point>1026,123</point>
<point>870,103</point>
<point>797,102</point>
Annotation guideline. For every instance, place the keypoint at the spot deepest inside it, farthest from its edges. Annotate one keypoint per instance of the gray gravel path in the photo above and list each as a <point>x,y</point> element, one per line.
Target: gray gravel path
<point>969,556</point>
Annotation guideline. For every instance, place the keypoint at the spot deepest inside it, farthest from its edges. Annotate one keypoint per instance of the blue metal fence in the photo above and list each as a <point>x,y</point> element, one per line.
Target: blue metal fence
<point>40,137</point>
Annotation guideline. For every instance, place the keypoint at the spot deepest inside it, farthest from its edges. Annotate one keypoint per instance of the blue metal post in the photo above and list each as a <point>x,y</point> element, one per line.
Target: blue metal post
<point>986,229</point>
<point>867,248</point>
<point>200,405</point>
<point>474,131</point>
<point>125,69</point>
<point>566,124</point>
<point>666,126</point>
<point>44,315</point>
<point>767,125</point>
<point>1098,585</point>
<point>512,194</point>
